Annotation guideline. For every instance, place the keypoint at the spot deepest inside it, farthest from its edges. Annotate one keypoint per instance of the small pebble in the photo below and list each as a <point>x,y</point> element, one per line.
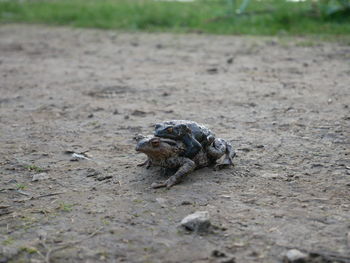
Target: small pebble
<point>295,256</point>
<point>162,202</point>
<point>198,221</point>
<point>39,177</point>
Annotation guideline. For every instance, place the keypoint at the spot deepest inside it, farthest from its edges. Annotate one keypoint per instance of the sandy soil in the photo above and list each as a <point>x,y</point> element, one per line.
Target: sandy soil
<point>284,105</point>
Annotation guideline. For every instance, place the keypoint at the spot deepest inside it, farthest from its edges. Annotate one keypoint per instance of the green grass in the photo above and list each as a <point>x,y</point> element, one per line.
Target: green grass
<point>33,167</point>
<point>64,207</point>
<point>8,241</point>
<point>267,17</point>
<point>29,250</point>
<point>21,186</point>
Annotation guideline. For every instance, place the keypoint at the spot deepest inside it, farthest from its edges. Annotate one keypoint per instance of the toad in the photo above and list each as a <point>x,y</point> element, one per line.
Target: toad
<point>194,136</point>
<point>167,153</point>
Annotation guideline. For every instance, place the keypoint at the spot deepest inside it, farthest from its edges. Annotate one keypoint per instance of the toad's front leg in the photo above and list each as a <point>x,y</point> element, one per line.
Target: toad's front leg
<point>185,166</point>
<point>146,163</point>
<point>192,146</point>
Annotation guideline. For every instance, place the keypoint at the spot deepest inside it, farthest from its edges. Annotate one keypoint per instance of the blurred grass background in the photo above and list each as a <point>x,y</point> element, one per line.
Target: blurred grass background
<point>265,17</point>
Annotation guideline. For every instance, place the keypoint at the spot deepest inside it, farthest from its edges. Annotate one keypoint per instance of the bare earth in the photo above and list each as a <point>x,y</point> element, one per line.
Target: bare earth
<point>284,105</point>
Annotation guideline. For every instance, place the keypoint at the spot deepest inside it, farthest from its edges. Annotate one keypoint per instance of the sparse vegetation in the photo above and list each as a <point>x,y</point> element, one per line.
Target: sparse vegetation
<point>8,241</point>
<point>29,250</point>
<point>306,43</point>
<point>269,17</point>
<point>33,167</point>
<point>65,207</point>
<point>20,186</point>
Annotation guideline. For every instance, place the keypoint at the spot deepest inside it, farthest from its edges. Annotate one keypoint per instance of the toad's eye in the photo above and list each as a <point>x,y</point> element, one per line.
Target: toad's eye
<point>155,143</point>
<point>169,130</point>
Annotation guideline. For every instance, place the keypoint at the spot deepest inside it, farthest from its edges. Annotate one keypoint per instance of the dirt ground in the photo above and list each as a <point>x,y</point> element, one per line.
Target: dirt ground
<point>282,103</point>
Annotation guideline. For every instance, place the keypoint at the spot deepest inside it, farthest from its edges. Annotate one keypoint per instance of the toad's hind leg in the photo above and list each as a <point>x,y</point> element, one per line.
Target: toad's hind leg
<point>230,152</point>
<point>217,149</point>
<point>185,166</point>
<point>222,152</point>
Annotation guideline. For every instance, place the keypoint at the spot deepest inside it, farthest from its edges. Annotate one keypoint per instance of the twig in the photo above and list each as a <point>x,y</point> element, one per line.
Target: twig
<point>65,245</point>
<point>14,189</point>
<point>40,254</point>
<point>46,195</point>
<point>22,192</point>
<point>39,196</point>
<point>5,212</point>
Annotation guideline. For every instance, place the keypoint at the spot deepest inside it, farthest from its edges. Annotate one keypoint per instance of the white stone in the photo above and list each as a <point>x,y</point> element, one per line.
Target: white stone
<point>270,175</point>
<point>39,177</point>
<point>198,221</point>
<point>162,202</point>
<point>295,256</point>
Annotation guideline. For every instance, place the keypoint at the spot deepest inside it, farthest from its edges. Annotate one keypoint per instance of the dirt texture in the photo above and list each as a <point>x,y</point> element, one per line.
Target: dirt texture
<point>282,103</point>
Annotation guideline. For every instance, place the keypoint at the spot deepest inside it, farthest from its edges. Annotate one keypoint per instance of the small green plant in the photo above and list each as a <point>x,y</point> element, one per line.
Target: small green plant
<point>306,43</point>
<point>34,168</point>
<point>8,241</point>
<point>65,207</point>
<point>94,123</point>
<point>29,250</point>
<point>20,186</point>
<point>105,222</point>
<point>103,255</point>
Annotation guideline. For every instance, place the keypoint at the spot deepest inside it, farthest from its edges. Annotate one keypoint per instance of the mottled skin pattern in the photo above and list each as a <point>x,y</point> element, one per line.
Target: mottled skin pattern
<point>193,135</point>
<point>167,153</point>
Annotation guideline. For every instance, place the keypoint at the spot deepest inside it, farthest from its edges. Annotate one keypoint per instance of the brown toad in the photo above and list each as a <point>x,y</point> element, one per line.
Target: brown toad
<point>168,153</point>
